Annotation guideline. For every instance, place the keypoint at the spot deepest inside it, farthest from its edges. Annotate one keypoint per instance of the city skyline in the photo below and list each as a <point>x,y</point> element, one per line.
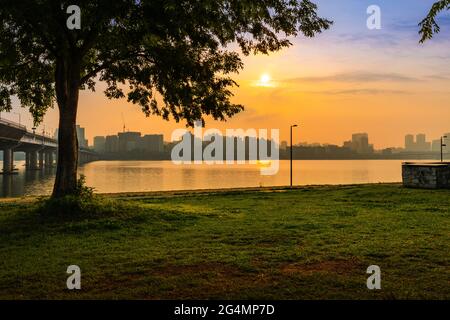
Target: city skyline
<point>359,142</point>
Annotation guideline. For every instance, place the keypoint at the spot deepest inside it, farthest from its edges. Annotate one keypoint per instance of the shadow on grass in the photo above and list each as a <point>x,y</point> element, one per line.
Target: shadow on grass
<point>72,215</point>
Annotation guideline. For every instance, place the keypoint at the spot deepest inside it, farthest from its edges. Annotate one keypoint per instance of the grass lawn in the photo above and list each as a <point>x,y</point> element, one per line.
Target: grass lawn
<point>307,243</point>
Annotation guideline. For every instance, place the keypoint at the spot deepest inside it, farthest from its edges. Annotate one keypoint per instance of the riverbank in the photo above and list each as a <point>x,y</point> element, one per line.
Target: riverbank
<point>138,176</point>
<point>306,243</point>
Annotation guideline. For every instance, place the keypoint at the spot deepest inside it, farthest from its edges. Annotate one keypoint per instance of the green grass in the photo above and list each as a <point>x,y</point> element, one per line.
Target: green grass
<point>307,243</point>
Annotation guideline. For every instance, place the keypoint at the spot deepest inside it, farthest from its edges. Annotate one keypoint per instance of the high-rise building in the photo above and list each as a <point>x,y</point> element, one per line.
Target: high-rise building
<point>152,143</point>
<point>99,144</point>
<point>360,143</point>
<point>82,141</point>
<point>111,144</point>
<point>129,141</point>
<point>421,138</point>
<point>409,142</point>
<point>421,143</point>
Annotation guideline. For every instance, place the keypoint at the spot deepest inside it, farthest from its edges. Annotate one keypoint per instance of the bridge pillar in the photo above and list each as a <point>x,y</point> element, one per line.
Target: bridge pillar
<point>8,161</point>
<point>47,158</point>
<point>27,160</point>
<point>41,159</point>
<point>33,160</point>
<point>50,158</point>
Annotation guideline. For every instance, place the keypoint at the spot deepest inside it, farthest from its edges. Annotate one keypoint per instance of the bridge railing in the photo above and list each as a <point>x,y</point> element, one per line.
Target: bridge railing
<point>12,124</point>
<point>41,138</point>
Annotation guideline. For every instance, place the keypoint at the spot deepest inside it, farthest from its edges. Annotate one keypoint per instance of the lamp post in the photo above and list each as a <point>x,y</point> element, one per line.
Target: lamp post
<point>442,147</point>
<point>292,126</point>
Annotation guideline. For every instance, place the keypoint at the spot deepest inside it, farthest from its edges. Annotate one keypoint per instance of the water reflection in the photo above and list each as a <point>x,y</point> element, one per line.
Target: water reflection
<point>135,176</point>
<point>27,182</point>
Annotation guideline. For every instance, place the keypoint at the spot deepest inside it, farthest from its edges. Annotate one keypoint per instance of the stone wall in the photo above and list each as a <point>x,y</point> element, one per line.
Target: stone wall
<point>426,175</point>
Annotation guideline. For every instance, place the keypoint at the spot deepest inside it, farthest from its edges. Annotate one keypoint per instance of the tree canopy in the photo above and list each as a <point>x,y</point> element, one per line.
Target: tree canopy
<point>179,49</point>
<point>429,26</point>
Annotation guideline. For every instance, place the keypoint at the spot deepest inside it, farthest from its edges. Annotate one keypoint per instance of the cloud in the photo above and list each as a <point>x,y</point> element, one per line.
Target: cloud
<point>253,115</point>
<point>355,77</point>
<point>443,77</point>
<point>368,91</point>
<point>370,38</point>
<point>411,26</point>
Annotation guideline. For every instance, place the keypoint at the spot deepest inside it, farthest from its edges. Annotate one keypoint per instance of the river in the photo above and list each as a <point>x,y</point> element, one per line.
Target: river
<point>131,176</point>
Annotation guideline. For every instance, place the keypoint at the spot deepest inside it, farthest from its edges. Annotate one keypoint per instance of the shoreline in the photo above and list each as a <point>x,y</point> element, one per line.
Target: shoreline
<point>181,192</point>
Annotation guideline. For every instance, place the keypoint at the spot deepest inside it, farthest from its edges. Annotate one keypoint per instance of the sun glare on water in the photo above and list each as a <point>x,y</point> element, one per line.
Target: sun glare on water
<point>264,163</point>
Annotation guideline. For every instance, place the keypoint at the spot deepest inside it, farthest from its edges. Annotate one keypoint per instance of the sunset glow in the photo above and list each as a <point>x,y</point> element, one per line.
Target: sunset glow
<point>348,79</point>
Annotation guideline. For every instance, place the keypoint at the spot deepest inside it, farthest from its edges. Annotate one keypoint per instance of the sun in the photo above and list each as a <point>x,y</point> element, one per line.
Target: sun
<point>265,80</point>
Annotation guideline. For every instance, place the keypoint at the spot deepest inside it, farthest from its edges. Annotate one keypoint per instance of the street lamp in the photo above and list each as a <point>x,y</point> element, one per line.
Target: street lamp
<point>442,146</point>
<point>292,126</point>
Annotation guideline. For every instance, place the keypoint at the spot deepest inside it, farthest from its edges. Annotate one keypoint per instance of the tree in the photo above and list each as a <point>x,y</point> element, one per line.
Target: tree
<point>172,56</point>
<point>429,26</point>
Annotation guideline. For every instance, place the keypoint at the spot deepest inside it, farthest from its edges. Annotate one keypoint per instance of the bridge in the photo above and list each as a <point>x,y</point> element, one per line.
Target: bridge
<point>40,150</point>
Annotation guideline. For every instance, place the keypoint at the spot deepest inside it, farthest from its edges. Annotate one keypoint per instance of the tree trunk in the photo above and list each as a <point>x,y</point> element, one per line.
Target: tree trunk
<point>67,82</point>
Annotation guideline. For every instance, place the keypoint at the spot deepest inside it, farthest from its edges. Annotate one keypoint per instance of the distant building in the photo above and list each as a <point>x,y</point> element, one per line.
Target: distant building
<point>392,151</point>
<point>112,144</point>
<point>387,151</point>
<point>283,145</point>
<point>409,142</point>
<point>447,140</point>
<point>306,144</point>
<point>152,143</point>
<point>99,144</point>
<point>419,145</point>
<point>82,141</point>
<point>129,141</point>
<point>81,136</point>
<point>347,144</point>
<point>359,143</point>
<point>436,145</point>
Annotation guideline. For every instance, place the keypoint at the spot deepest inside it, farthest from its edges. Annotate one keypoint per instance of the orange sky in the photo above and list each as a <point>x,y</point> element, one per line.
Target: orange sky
<point>347,80</point>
